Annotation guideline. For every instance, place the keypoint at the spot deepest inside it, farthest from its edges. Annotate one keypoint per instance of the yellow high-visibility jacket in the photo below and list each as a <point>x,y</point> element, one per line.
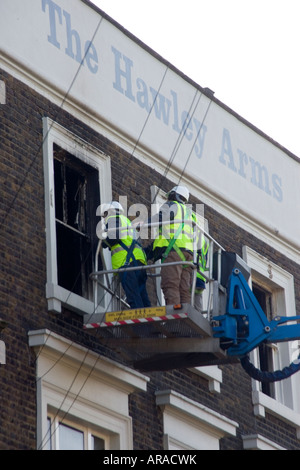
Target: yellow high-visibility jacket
<point>123,246</point>
<point>178,228</point>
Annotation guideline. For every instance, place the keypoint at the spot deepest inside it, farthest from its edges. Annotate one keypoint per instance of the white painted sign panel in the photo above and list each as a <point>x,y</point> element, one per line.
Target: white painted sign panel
<point>68,45</point>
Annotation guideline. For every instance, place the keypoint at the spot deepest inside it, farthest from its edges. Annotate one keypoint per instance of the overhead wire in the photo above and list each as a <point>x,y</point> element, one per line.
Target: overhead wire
<point>33,160</point>
<point>166,171</point>
<point>192,148</point>
<point>88,350</point>
<point>167,168</point>
<point>178,142</point>
<point>26,174</point>
<point>65,97</point>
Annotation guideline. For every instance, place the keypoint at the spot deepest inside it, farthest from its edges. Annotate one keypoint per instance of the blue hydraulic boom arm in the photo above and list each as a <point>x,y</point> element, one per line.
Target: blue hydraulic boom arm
<point>245,325</point>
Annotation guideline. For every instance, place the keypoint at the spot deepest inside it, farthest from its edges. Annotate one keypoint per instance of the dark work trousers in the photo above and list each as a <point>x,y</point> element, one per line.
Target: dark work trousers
<point>134,285</point>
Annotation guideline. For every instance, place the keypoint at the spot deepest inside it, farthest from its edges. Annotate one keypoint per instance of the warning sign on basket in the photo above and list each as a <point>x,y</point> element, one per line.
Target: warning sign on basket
<point>135,313</point>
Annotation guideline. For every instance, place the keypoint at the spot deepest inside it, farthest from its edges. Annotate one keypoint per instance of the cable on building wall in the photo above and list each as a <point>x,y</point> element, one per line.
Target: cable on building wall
<point>26,174</point>
<point>167,169</point>
<point>178,142</point>
<point>168,166</point>
<point>199,130</point>
<point>266,376</point>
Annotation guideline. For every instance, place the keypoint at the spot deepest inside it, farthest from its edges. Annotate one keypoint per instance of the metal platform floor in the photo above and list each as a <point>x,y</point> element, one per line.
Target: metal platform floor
<point>159,338</point>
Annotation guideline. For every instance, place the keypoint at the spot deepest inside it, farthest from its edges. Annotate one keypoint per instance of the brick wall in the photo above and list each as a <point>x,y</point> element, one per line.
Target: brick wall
<point>23,278</point>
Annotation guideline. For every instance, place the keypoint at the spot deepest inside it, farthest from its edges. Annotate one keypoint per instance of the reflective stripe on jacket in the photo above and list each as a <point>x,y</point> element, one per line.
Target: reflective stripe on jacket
<point>202,250</point>
<point>202,258</point>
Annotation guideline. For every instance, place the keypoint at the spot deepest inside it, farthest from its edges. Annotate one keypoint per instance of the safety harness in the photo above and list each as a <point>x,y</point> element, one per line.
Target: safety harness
<point>129,249</point>
<point>172,241</point>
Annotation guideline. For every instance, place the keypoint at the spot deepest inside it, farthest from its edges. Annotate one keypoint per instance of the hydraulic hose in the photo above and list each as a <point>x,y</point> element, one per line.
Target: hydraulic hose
<point>265,376</point>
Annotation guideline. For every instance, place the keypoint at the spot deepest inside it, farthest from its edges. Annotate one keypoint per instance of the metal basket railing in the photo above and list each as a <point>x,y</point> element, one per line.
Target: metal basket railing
<point>103,278</point>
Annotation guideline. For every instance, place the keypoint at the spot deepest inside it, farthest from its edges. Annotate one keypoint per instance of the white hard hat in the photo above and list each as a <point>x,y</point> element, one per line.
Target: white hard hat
<point>117,206</point>
<point>182,191</point>
<point>112,206</point>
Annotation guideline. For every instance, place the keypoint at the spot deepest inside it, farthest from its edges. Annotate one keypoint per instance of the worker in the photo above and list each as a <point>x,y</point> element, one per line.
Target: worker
<point>173,243</point>
<point>201,262</point>
<point>120,239</point>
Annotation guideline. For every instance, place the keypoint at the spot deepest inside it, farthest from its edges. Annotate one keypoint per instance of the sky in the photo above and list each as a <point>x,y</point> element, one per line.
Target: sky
<point>246,51</point>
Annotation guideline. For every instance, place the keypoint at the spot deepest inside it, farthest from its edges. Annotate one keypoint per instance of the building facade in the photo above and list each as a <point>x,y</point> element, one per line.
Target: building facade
<point>90,114</point>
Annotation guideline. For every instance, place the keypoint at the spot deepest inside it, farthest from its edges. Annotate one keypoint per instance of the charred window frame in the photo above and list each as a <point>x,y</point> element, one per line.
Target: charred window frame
<point>76,200</point>
<point>77,178</point>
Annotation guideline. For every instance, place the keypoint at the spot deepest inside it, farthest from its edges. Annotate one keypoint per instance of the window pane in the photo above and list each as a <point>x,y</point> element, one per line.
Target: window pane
<point>70,438</point>
<point>69,265</point>
<point>97,443</point>
<point>76,200</point>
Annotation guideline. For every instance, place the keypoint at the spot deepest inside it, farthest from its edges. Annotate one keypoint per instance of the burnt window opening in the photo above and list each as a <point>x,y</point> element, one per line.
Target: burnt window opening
<point>76,200</point>
<point>264,299</point>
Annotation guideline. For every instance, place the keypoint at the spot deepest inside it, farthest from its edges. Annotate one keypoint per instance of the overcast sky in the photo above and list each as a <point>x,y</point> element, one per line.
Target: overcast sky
<point>246,51</point>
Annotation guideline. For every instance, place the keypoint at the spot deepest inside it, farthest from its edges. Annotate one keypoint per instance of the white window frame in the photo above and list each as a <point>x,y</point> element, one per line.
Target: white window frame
<point>52,442</point>
<point>281,283</point>
<point>84,388</point>
<point>56,295</point>
<point>189,425</point>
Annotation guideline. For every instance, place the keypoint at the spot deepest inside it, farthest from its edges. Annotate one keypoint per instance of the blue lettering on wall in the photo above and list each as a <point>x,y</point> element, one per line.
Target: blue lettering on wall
<point>251,169</point>
<point>81,53</point>
<point>161,106</point>
<point>165,108</point>
<point>124,73</point>
<point>142,97</point>
<point>226,156</point>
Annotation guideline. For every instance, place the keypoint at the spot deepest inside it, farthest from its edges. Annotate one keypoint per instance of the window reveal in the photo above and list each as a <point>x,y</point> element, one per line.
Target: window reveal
<point>264,299</point>
<point>76,200</point>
